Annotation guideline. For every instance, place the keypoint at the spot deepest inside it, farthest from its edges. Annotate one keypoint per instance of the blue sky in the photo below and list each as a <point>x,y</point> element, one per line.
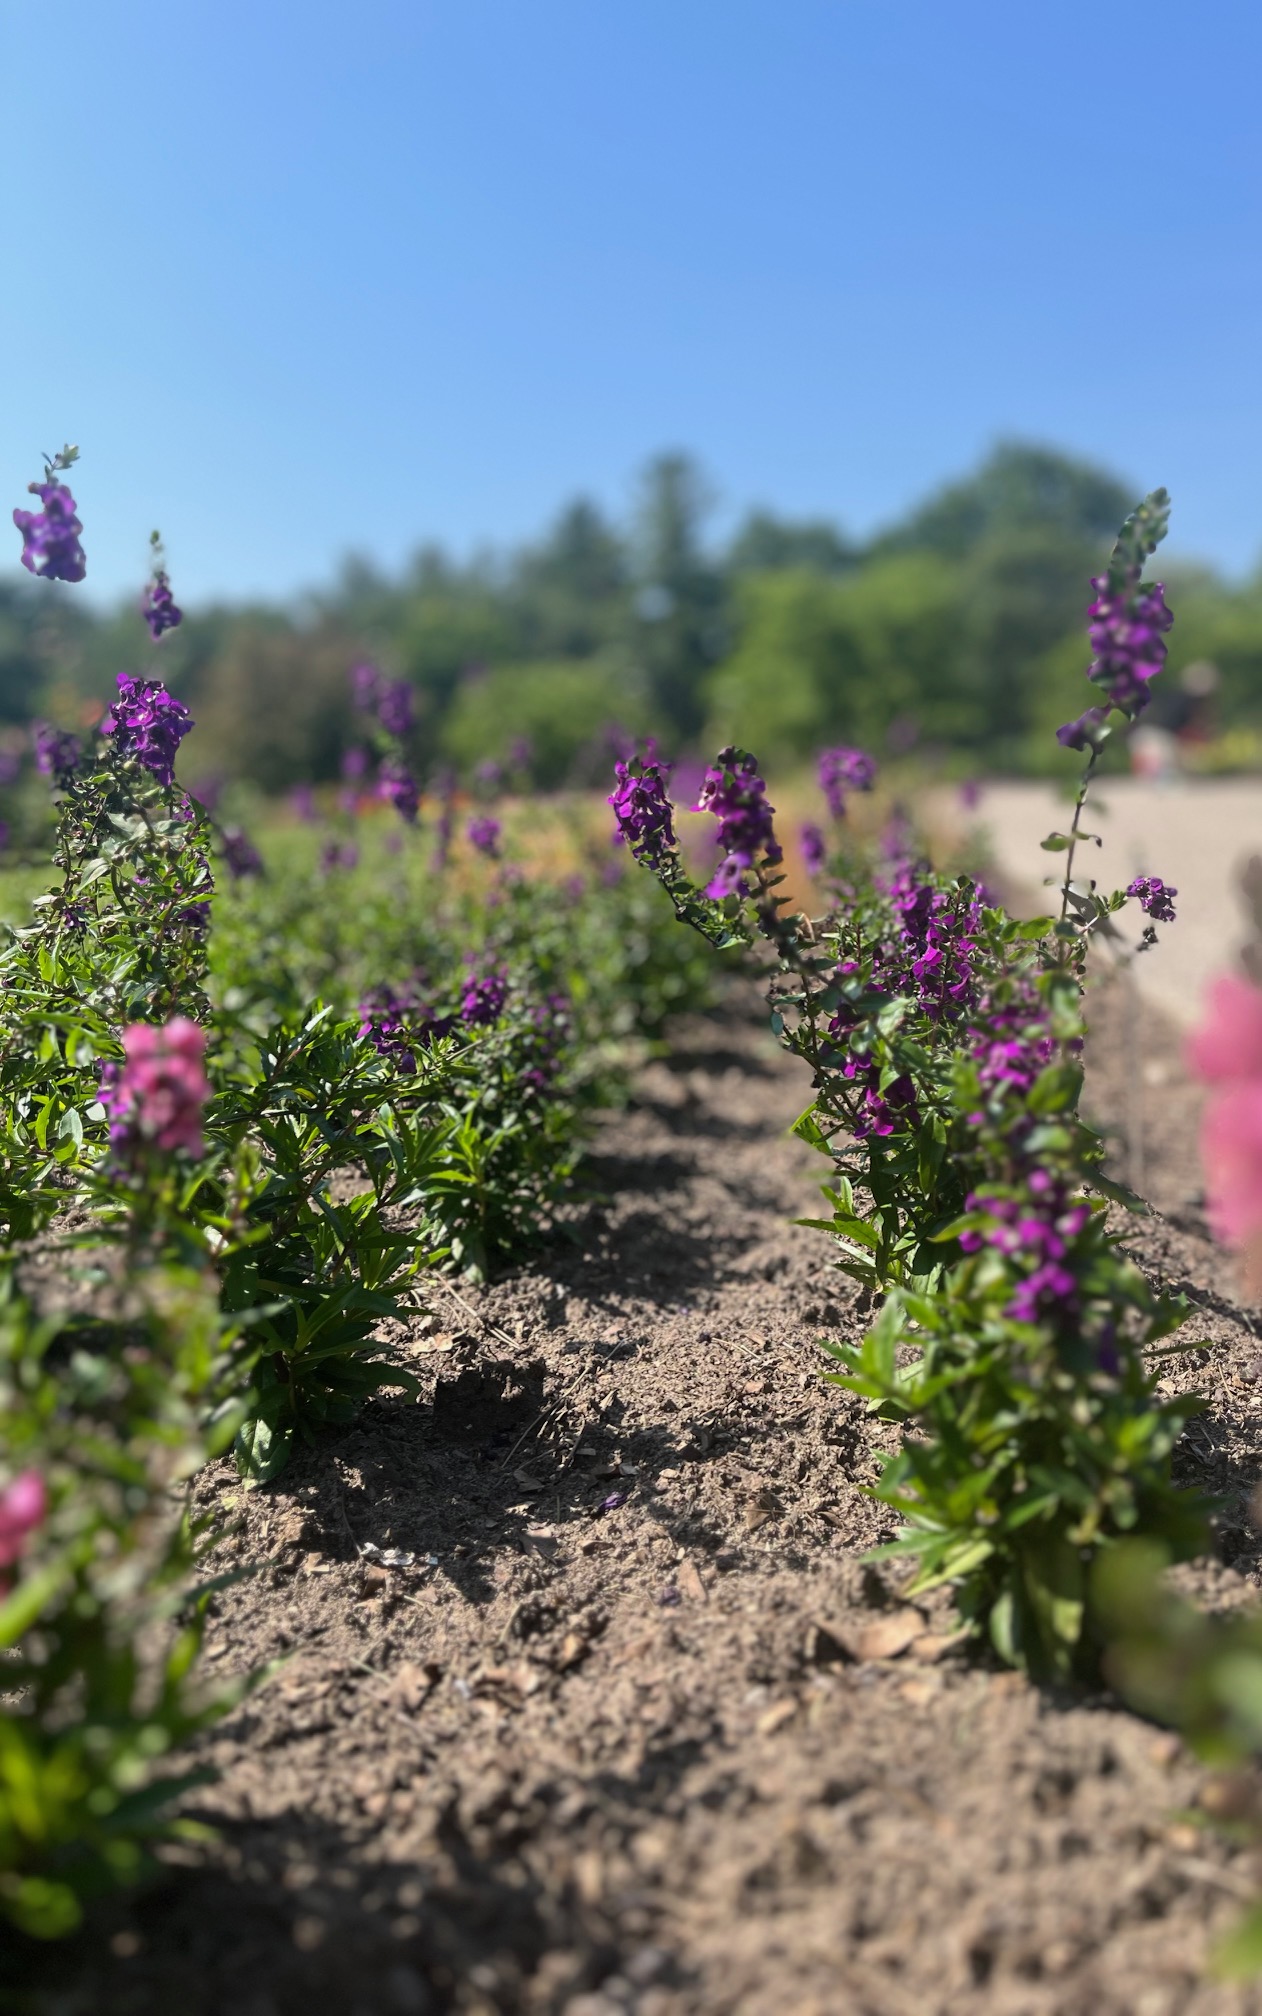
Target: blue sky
<point>307,279</point>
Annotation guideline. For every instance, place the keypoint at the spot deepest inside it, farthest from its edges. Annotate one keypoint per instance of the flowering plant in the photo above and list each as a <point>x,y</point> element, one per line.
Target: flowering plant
<point>944,1041</point>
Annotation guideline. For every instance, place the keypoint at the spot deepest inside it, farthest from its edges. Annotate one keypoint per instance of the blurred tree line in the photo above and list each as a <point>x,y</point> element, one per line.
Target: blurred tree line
<point>959,631</point>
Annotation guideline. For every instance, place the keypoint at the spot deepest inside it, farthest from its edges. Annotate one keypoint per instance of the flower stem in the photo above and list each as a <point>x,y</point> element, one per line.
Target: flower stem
<point>1083,788</point>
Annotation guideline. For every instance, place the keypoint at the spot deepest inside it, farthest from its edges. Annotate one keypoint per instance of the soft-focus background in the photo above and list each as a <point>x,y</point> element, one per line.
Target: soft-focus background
<point>770,370</point>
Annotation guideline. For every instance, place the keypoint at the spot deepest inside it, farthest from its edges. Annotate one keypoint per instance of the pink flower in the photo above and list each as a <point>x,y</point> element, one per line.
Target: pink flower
<point>23,1505</point>
<point>157,1094</point>
<point>1229,1042</point>
<point>1231,1153</point>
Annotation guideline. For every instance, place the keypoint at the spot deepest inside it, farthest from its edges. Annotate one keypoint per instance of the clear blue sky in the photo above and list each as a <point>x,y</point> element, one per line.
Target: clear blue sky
<point>303,278</point>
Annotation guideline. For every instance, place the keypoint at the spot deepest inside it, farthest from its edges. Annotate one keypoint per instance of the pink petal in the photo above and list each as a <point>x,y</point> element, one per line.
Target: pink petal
<point>1231,1151</point>
<point>1228,1043</point>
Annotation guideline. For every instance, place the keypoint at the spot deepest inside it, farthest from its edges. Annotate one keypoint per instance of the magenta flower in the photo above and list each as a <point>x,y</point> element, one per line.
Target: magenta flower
<point>50,538</point>
<point>23,1507</point>
<point>1231,1156</point>
<point>156,1095</point>
<point>1228,1044</point>
<point>1226,1051</point>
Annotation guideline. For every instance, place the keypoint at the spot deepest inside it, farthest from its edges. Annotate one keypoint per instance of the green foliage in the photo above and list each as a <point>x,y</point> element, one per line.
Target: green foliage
<point>956,616</point>
<point>101,1633</point>
<point>562,709</point>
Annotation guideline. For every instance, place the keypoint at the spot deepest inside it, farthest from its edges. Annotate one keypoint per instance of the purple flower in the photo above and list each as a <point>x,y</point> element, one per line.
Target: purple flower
<point>50,537</point>
<point>159,609</point>
<point>354,765</point>
<point>489,777</point>
<point>642,809</point>
<point>484,834</point>
<point>520,752</point>
<point>1154,897</point>
<point>384,1020</point>
<point>1034,1233</point>
<point>302,799</point>
<point>337,854</point>
<point>394,707</point>
<point>1083,733</point>
<point>148,724</point>
<point>735,794</point>
<point>1129,619</point>
<point>208,791</point>
<point>970,794</point>
<point>397,785</point>
<point>841,771</point>
<point>366,686</point>
<point>240,853</point>
<point>483,996</point>
<point>814,849</point>
<point>57,752</point>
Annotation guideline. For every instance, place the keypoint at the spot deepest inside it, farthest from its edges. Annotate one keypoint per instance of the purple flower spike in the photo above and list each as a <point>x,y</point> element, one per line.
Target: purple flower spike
<point>240,853</point>
<point>1154,897</point>
<point>841,771</point>
<point>148,724</point>
<point>1084,732</point>
<point>484,834</point>
<point>159,608</point>
<point>366,686</point>
<point>483,996</point>
<point>397,785</point>
<point>57,752</point>
<point>642,809</point>
<point>814,850</point>
<point>736,795</point>
<point>1127,633</point>
<point>50,538</point>
<point>394,707</point>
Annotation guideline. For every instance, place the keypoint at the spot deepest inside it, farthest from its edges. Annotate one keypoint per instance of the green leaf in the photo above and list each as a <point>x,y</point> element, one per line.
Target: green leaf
<point>261,1450</point>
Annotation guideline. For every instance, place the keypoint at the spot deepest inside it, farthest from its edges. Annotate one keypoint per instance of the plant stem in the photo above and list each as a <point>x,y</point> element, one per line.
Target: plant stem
<point>1083,789</point>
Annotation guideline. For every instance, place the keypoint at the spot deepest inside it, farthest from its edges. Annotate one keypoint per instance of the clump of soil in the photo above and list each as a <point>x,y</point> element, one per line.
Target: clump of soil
<point>589,1707</point>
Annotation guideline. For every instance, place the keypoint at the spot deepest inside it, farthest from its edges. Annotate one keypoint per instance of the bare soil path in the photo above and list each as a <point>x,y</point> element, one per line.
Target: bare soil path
<point>589,1707</point>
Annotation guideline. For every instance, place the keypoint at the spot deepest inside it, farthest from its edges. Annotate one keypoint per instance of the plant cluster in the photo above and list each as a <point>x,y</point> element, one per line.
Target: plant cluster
<point>248,1096</point>
<point>944,1039</point>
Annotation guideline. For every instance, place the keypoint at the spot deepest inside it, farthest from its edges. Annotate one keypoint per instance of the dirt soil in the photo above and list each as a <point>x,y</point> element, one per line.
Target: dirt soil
<point>587,1705</point>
